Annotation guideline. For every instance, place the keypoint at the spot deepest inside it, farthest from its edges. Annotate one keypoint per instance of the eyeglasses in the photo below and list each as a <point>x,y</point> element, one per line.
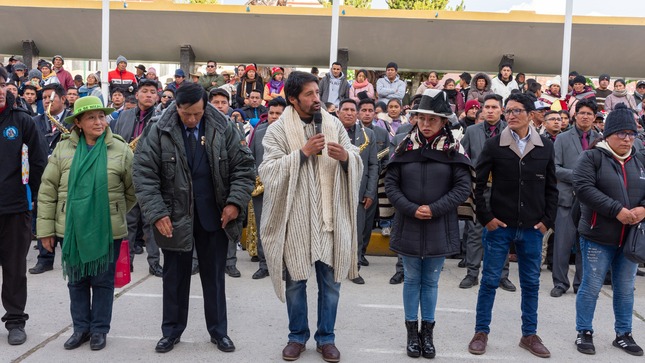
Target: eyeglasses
<point>626,134</point>
<point>514,111</point>
<point>559,119</point>
<point>586,114</point>
<point>210,66</point>
<point>166,96</point>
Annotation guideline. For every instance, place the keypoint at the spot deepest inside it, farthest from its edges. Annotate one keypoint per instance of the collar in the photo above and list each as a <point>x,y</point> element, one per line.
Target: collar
<point>507,139</point>
<point>196,127</point>
<point>516,137</point>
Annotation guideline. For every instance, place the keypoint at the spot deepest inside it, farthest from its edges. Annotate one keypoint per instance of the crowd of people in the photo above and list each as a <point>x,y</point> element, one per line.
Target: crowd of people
<point>490,170</point>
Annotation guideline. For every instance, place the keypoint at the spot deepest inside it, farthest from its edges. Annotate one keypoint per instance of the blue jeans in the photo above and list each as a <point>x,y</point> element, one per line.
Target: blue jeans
<point>94,313</point>
<point>528,246</point>
<point>596,260</point>
<point>420,286</point>
<point>328,294</point>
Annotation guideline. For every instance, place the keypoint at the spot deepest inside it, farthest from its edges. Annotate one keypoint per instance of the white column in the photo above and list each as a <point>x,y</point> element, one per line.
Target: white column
<point>105,49</point>
<point>333,47</point>
<point>566,48</point>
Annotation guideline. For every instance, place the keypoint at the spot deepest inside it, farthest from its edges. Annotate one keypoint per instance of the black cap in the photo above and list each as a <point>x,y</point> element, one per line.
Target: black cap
<point>604,77</point>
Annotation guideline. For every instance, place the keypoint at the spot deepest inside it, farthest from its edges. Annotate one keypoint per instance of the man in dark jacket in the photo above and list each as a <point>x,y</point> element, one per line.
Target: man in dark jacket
<point>522,207</point>
<point>16,201</point>
<point>195,193</point>
<point>334,86</point>
<point>473,143</point>
<point>130,126</point>
<point>364,139</point>
<point>568,147</point>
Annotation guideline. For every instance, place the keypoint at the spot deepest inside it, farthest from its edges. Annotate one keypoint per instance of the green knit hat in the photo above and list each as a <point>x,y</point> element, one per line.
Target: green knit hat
<point>87,103</point>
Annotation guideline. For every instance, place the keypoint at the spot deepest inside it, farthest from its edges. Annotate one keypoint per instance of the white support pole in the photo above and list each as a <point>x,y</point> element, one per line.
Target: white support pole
<point>566,48</point>
<point>105,49</point>
<point>333,48</point>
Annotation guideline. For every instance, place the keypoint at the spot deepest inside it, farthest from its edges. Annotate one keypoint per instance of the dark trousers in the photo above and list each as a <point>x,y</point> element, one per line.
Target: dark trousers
<point>566,237</point>
<point>135,218</point>
<point>211,253</point>
<point>365,234</point>
<point>91,299</point>
<point>45,257</point>
<point>15,239</point>
<point>257,208</point>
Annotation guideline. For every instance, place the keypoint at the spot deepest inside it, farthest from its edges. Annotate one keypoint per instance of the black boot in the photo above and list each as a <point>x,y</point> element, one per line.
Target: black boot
<point>414,346</point>
<point>426,339</point>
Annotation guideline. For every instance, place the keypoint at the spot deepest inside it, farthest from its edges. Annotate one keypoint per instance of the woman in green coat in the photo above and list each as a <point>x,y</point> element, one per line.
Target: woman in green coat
<point>85,194</point>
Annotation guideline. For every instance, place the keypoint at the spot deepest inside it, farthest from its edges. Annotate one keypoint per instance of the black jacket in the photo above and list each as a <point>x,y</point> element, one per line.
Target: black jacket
<point>16,129</point>
<point>523,191</point>
<point>599,181</point>
<point>427,177</point>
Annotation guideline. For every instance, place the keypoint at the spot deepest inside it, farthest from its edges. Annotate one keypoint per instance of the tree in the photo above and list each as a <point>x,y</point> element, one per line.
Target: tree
<point>358,4</point>
<point>424,5</point>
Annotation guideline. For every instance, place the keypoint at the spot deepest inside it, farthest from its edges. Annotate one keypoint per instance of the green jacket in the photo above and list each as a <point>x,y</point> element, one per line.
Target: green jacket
<point>53,188</point>
<point>162,177</point>
<point>206,80</point>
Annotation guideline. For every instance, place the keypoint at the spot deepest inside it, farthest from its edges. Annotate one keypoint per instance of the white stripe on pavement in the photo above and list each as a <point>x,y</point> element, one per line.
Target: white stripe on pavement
<point>400,307</point>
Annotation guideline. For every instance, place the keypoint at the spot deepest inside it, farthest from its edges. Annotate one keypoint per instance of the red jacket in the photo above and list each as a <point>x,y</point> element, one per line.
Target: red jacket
<point>125,81</point>
<point>65,78</point>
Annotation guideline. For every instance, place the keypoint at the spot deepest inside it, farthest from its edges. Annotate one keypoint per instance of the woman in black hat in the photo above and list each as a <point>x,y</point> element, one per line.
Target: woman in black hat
<point>427,179</point>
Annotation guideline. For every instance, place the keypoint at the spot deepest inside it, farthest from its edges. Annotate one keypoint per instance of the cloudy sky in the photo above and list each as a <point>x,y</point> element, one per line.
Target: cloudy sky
<point>580,7</point>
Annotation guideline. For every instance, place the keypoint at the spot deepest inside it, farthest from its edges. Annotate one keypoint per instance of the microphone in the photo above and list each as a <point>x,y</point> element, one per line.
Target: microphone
<point>318,125</point>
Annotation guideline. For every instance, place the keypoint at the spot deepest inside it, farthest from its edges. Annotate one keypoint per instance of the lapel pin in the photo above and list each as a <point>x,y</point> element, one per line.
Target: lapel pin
<point>203,140</point>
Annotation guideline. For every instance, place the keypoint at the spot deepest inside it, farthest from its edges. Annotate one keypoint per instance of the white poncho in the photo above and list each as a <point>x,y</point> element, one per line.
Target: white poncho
<point>309,210</point>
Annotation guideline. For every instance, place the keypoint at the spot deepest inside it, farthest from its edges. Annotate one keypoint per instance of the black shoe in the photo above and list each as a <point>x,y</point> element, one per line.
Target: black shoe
<point>138,250</point>
<point>468,282</point>
<point>17,336</point>
<point>97,341</point>
<point>575,289</point>
<point>359,280</point>
<point>40,268</point>
<point>195,270</point>
<point>557,291</point>
<point>76,340</point>
<point>255,259</point>
<point>156,270</point>
<point>626,342</point>
<point>462,263</point>
<point>427,345</point>
<point>397,278</point>
<point>640,272</point>
<point>584,342</point>
<point>413,344</point>
<point>233,271</point>
<point>363,261</point>
<point>260,274</point>
<point>507,285</point>
<point>225,344</point>
<point>131,266</point>
<point>165,344</point>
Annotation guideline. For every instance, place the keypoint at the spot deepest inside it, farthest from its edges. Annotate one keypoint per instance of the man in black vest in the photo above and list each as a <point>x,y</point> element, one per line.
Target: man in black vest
<point>193,179</point>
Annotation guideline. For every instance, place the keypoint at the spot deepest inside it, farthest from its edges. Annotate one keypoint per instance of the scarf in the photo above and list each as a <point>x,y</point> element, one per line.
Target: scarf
<point>245,84</point>
<point>429,84</point>
<point>275,86</point>
<point>441,147</point>
<point>88,248</point>
<point>622,93</point>
<point>358,84</point>
<point>621,158</point>
<point>451,93</point>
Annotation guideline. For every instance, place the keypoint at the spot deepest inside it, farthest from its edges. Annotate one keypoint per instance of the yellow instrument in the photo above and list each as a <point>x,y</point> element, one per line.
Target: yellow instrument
<point>366,143</point>
<point>259,187</point>
<point>51,118</point>
<point>251,232</point>
<point>133,143</point>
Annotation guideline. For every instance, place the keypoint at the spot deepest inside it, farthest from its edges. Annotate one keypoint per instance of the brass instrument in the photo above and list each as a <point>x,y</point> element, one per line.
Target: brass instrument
<point>133,143</point>
<point>251,232</point>
<point>383,153</point>
<point>51,118</point>
<point>259,187</point>
<point>366,143</point>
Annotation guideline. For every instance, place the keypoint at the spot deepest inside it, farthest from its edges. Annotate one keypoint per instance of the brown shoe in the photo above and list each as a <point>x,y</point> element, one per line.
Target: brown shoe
<point>329,352</point>
<point>533,344</point>
<point>478,343</point>
<point>292,351</point>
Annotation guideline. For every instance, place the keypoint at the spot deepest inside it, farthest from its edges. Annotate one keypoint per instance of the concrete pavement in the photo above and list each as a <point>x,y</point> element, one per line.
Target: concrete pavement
<point>369,324</point>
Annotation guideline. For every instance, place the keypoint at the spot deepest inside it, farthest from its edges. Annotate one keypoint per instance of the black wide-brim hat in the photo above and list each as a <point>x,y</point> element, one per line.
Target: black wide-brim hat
<point>434,102</point>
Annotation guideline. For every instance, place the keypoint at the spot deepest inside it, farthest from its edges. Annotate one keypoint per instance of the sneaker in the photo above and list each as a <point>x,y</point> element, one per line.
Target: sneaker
<point>386,231</point>
<point>584,342</point>
<point>468,282</point>
<point>626,342</point>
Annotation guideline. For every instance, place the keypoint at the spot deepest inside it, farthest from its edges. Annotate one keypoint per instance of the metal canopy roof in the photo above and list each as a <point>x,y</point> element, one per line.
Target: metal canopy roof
<point>416,40</point>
